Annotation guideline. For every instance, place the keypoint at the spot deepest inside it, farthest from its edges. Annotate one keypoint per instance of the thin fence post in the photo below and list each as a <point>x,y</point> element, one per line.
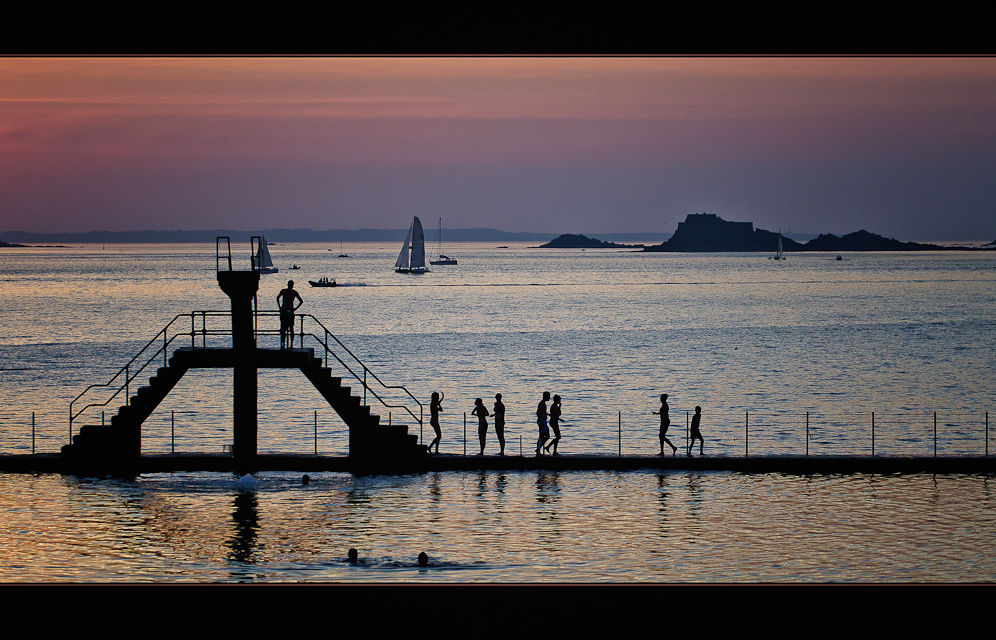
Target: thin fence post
<point>873,433</point>
<point>520,445</point>
<point>807,434</point>
<point>32,432</point>
<point>987,434</point>
<point>746,434</point>
<point>316,433</point>
<point>172,431</point>
<point>620,433</point>
<point>935,434</point>
<point>464,433</point>
<point>101,418</point>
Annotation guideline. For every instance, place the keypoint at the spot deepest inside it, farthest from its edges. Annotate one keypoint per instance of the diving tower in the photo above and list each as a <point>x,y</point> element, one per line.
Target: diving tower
<point>116,448</point>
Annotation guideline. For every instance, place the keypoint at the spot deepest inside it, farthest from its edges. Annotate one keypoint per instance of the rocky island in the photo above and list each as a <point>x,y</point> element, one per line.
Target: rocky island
<point>574,241</point>
<point>706,232</point>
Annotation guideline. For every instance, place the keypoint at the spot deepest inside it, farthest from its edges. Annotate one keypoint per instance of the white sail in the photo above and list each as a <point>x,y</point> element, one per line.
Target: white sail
<point>402,262</point>
<point>779,246</point>
<point>261,261</point>
<point>412,256</point>
<point>418,245</point>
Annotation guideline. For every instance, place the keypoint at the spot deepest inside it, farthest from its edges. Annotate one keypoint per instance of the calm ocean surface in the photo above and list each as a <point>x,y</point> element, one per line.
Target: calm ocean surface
<point>900,335</point>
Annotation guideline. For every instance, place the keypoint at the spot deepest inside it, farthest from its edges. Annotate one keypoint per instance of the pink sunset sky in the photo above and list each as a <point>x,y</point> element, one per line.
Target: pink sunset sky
<point>904,147</point>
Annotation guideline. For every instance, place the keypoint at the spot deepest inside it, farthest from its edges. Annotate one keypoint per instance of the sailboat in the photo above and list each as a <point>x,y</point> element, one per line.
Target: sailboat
<point>778,255</point>
<point>342,254</point>
<point>412,256</point>
<point>441,259</point>
<point>261,260</point>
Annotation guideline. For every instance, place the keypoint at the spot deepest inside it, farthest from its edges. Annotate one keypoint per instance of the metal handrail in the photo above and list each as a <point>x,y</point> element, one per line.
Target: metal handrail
<point>129,372</point>
<point>324,341</point>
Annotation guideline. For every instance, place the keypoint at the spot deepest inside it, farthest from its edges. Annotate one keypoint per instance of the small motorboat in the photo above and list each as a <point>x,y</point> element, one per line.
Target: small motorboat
<point>295,267</point>
<point>323,282</point>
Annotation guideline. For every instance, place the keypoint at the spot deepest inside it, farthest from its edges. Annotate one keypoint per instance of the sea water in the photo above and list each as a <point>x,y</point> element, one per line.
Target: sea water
<point>767,348</point>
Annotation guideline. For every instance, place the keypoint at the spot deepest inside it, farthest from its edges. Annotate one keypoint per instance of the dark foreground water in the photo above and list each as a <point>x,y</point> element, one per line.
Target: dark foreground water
<point>522,527</point>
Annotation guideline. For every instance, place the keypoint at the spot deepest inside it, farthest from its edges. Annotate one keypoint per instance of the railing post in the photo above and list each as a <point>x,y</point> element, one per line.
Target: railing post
<point>873,433</point>
<point>464,433</point>
<point>987,434</point>
<point>935,434</point>
<point>364,385</point>
<point>32,432</point>
<point>620,433</point>
<point>127,386</point>
<point>807,434</point>
<point>193,332</point>
<point>172,431</point>
<point>165,363</point>
<point>316,433</point>
<point>746,434</point>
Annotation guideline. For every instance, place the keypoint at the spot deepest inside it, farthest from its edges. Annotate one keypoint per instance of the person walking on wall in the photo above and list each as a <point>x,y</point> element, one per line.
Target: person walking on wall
<point>664,413</point>
<point>696,434</point>
<point>544,428</point>
<point>435,408</point>
<point>499,414</point>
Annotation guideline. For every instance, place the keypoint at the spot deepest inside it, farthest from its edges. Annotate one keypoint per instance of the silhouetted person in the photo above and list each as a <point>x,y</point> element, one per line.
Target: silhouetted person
<point>554,424</point>
<point>285,302</point>
<point>482,422</point>
<point>544,428</point>
<point>695,432</point>
<point>665,423</point>
<point>423,559</point>
<point>435,408</point>
<point>499,413</point>
<point>352,555</point>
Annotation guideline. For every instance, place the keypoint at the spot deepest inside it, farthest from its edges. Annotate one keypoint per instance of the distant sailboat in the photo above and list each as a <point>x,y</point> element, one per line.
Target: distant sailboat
<point>412,256</point>
<point>342,254</point>
<point>441,259</point>
<point>261,260</point>
<point>778,255</point>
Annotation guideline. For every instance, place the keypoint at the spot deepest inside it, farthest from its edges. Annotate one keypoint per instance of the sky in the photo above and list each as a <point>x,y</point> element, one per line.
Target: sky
<point>903,147</point>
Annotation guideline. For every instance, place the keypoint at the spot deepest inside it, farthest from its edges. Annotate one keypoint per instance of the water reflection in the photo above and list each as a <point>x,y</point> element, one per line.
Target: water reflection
<point>509,526</point>
<point>246,527</point>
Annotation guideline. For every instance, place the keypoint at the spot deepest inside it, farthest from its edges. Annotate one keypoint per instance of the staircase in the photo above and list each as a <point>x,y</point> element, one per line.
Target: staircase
<point>118,445</point>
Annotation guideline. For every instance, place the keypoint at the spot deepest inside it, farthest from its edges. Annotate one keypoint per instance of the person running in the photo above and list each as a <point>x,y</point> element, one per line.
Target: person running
<point>695,432</point>
<point>482,422</point>
<point>544,428</point>
<point>554,424</point>
<point>665,423</point>
<point>499,414</point>
<point>285,302</point>
<point>435,408</point>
